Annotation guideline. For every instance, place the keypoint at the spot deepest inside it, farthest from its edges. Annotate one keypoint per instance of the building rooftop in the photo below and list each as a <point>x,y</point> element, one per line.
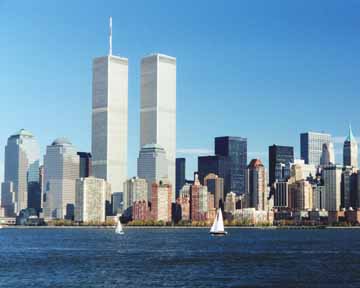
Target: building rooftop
<point>350,137</point>
<point>23,132</point>
<point>152,146</point>
<point>61,141</point>
<point>254,163</point>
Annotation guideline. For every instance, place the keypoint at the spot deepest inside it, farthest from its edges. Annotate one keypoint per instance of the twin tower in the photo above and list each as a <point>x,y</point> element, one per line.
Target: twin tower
<point>110,113</point>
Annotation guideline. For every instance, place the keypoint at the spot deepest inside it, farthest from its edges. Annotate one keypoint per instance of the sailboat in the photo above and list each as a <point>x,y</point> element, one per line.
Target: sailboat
<point>218,227</point>
<point>119,229</point>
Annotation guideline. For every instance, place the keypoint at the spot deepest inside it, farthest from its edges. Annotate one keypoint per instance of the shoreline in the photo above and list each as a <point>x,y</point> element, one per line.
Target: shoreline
<point>184,227</point>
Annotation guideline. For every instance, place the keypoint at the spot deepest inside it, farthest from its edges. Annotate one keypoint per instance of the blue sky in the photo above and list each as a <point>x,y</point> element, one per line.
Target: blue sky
<point>265,70</point>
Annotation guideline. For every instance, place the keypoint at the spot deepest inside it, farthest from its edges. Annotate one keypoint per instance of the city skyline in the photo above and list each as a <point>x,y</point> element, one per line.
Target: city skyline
<point>46,128</point>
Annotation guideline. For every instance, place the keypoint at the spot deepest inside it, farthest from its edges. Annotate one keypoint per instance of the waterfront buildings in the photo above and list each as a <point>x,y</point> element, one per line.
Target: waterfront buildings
<point>230,203</point>
<point>281,194</point>
<point>135,189</point>
<point>152,165</point>
<point>161,201</point>
<point>299,170</point>
<point>235,149</point>
<point>215,185</point>
<point>92,195</point>
<point>280,158</point>
<point>180,174</point>
<point>218,165</point>
<point>350,152</point>
<point>61,169</point>
<point>85,164</point>
<point>21,188</point>
<point>332,181</point>
<point>256,186</point>
<point>110,119</point>
<point>300,195</point>
<point>199,201</point>
<point>158,107</point>
<point>311,146</point>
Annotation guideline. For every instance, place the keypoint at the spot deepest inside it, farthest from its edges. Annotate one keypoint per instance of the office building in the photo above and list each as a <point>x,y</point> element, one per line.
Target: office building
<point>300,195</point>
<point>158,107</point>
<point>85,164</point>
<point>21,182</point>
<point>328,154</point>
<point>61,169</point>
<point>110,119</point>
<point>350,152</point>
<point>180,174</point>
<point>92,194</point>
<point>161,201</point>
<point>152,165</point>
<point>135,189</point>
<point>311,146</point>
<point>256,186</point>
<point>280,158</point>
<point>281,194</point>
<point>215,185</point>
<point>218,165</point>
<point>230,203</point>
<point>301,171</point>
<point>235,148</point>
<point>348,188</point>
<point>199,201</point>
<point>332,175</point>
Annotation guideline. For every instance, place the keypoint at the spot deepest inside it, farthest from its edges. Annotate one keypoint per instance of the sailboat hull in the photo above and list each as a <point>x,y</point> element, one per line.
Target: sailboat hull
<point>218,233</point>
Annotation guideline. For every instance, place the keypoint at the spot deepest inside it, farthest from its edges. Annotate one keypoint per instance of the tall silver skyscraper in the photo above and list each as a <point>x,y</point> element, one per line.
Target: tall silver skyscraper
<point>311,145</point>
<point>350,153</point>
<point>158,107</point>
<point>22,155</point>
<point>61,169</point>
<point>110,119</point>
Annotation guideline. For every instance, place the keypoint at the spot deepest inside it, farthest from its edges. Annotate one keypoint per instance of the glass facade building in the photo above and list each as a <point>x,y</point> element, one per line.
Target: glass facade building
<point>219,165</point>
<point>311,145</point>
<point>180,174</point>
<point>279,159</point>
<point>235,148</point>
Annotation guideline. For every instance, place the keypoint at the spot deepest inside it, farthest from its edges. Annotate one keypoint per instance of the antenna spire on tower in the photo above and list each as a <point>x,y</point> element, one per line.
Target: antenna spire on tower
<point>110,36</point>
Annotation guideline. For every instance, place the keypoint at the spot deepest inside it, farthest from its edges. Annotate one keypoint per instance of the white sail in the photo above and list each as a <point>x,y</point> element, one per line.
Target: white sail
<point>119,229</point>
<point>218,226</point>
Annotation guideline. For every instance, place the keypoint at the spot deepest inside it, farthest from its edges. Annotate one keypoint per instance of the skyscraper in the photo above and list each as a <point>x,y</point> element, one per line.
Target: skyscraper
<point>215,186</point>
<point>180,174</point>
<point>158,107</point>
<point>110,119</point>
<point>256,186</point>
<point>332,175</point>
<point>328,154</point>
<point>135,189</point>
<point>91,197</point>
<point>152,165</point>
<point>21,181</point>
<point>350,154</point>
<point>85,164</point>
<point>235,148</point>
<point>279,159</point>
<point>311,145</point>
<point>161,201</point>
<point>61,169</point>
<point>219,165</point>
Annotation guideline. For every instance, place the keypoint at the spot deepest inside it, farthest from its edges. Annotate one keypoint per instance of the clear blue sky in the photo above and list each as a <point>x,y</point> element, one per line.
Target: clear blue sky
<point>265,70</point>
